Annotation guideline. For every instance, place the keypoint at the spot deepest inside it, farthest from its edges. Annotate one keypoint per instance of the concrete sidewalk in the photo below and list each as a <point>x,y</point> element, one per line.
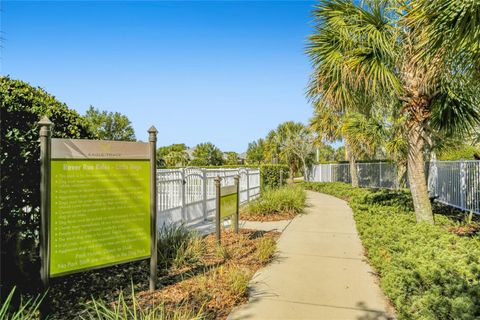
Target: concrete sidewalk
<point>320,272</point>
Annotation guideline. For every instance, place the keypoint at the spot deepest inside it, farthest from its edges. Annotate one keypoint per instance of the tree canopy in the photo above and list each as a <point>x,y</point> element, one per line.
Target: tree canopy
<point>109,125</point>
<point>207,154</point>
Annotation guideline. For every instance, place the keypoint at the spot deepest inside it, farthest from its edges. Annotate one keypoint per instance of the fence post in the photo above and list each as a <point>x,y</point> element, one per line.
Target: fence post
<point>217,209</point>
<point>183,182</point>
<point>281,177</point>
<point>45,166</point>
<point>236,218</point>
<point>152,138</point>
<point>463,184</point>
<point>248,185</point>
<point>380,176</point>
<point>205,185</point>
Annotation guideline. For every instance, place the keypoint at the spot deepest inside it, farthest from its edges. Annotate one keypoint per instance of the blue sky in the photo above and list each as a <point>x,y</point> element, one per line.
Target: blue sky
<point>224,71</point>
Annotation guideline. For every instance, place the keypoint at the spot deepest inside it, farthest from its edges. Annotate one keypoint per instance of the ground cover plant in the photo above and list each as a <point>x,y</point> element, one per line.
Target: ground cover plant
<point>427,271</point>
<point>275,204</point>
<point>197,280</point>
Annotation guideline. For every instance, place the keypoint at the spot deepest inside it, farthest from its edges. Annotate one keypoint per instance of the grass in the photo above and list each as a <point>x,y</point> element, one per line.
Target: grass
<point>276,204</point>
<point>266,249</point>
<point>178,246</point>
<point>27,310</point>
<point>427,272</point>
<point>126,309</point>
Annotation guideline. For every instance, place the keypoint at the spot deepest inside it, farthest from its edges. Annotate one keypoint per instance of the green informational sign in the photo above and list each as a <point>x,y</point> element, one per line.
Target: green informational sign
<point>228,201</point>
<point>100,213</point>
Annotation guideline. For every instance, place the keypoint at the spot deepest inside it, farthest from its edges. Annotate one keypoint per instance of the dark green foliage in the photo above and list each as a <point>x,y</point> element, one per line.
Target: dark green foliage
<point>273,175</point>
<point>109,125</point>
<point>427,271</point>
<point>20,109</point>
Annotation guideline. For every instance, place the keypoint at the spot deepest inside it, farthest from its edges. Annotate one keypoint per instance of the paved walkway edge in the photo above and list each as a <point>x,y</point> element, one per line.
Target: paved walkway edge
<point>320,271</point>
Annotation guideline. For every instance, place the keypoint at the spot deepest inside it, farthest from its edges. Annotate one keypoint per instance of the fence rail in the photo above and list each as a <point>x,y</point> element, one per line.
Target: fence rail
<point>188,194</point>
<point>454,183</point>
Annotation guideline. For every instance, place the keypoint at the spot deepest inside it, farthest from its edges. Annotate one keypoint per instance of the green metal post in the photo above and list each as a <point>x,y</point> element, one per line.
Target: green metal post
<point>152,138</point>
<point>217,212</point>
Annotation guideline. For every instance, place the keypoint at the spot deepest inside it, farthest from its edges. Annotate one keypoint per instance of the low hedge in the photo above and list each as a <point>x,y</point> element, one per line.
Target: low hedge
<point>273,175</point>
<point>426,271</point>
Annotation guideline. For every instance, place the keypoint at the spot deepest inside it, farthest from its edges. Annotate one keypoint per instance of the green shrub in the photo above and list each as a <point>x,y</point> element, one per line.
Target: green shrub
<point>178,246</point>
<point>426,271</point>
<point>289,200</point>
<point>21,107</point>
<point>273,175</point>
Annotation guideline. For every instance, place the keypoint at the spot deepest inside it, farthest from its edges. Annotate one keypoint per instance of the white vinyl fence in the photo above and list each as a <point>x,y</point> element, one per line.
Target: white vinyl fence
<point>188,194</point>
<point>454,183</point>
<point>370,175</point>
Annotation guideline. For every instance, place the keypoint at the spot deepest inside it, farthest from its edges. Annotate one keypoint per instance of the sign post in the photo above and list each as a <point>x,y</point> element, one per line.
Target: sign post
<point>227,204</point>
<point>98,204</point>
<point>45,154</point>
<point>152,138</point>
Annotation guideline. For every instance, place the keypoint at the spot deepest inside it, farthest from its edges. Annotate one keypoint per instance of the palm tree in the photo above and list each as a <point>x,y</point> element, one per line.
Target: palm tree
<point>279,147</point>
<point>382,49</point>
<point>176,158</point>
<point>362,135</point>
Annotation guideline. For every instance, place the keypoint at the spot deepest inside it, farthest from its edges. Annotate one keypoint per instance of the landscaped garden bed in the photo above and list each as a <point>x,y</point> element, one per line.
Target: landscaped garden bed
<point>197,280</point>
<point>427,271</point>
<point>283,203</point>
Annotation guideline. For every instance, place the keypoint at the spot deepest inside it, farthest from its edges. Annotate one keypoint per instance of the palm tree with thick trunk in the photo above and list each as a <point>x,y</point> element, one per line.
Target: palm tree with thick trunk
<point>382,49</point>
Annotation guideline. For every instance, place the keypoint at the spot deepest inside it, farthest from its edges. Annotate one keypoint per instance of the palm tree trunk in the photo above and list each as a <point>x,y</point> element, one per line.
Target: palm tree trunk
<point>416,173</point>
<point>353,165</point>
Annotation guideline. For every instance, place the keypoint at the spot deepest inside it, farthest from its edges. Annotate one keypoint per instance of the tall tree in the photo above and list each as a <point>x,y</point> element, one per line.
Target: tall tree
<point>178,148</point>
<point>231,158</point>
<point>109,125</point>
<point>207,154</point>
<point>176,158</point>
<point>362,136</point>
<point>255,152</point>
<point>279,146</point>
<point>300,143</point>
<point>381,50</point>
<point>326,153</point>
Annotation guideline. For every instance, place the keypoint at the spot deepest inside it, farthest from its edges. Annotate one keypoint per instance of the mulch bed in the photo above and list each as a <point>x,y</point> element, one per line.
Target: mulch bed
<point>191,287</point>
